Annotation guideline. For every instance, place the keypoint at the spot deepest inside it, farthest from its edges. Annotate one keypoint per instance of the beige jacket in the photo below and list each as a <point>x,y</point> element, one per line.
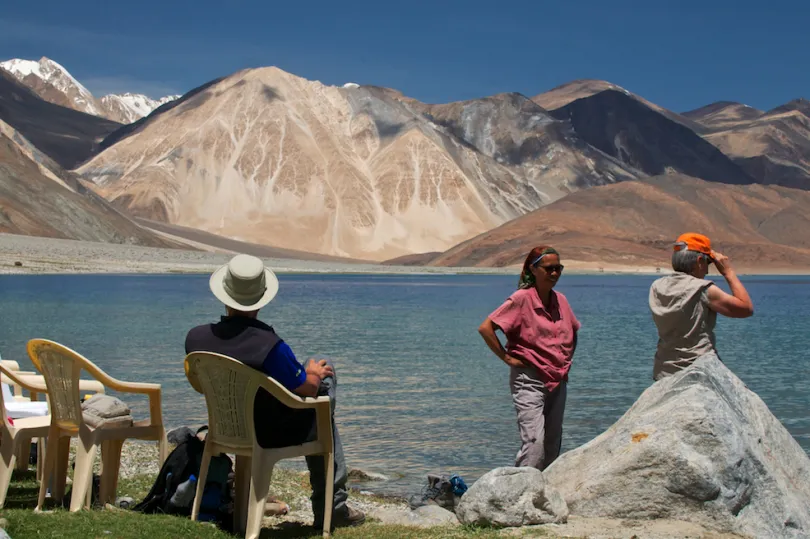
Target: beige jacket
<point>680,310</point>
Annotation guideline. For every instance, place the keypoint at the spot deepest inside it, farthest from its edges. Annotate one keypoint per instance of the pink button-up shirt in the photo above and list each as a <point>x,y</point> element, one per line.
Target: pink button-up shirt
<point>542,337</point>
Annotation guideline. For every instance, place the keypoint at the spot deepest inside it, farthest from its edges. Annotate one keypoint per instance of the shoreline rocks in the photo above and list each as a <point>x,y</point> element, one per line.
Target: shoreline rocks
<point>362,476</point>
<point>511,497</point>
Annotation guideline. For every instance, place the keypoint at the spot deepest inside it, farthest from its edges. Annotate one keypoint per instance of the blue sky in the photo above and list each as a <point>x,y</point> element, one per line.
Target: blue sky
<point>680,55</point>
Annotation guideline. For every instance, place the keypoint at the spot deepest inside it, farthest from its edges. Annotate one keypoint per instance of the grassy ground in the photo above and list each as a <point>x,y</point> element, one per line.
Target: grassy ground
<point>23,523</point>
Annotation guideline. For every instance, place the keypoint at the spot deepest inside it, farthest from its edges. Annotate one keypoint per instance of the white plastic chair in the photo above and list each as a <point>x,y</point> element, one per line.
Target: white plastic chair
<point>15,438</point>
<point>17,407</point>
<point>61,368</point>
<point>230,389</point>
<point>13,366</point>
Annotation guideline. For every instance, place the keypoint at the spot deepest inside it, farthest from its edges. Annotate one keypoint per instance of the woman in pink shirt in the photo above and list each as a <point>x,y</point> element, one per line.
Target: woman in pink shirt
<point>541,336</point>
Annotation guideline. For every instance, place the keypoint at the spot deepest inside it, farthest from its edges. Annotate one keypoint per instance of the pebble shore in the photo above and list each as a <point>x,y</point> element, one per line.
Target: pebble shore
<point>35,255</point>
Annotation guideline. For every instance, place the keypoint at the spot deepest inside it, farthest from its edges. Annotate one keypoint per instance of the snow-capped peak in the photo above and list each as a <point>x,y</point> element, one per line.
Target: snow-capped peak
<point>54,83</point>
<point>128,107</point>
<point>50,72</point>
<point>22,68</point>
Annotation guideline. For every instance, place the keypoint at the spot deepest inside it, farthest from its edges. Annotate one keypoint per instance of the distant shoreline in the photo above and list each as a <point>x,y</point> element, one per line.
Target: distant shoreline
<point>50,256</point>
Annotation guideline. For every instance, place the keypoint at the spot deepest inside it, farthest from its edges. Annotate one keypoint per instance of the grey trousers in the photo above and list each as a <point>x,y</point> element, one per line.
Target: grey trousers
<point>539,417</point>
<point>317,468</point>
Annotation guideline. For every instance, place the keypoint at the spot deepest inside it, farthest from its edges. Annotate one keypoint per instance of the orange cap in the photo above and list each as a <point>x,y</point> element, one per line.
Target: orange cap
<point>694,242</point>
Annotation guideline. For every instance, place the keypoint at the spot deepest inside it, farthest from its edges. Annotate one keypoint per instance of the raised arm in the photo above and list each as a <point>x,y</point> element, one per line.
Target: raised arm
<point>738,304</point>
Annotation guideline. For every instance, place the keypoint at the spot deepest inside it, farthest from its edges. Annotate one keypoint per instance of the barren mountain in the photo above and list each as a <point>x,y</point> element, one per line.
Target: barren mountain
<point>772,147</point>
<point>55,84</point>
<point>722,114</point>
<point>571,91</point>
<point>39,198</point>
<point>801,105</point>
<point>579,89</point>
<point>622,126</point>
<point>267,157</point>
<point>635,223</point>
<point>67,136</point>
<point>515,131</point>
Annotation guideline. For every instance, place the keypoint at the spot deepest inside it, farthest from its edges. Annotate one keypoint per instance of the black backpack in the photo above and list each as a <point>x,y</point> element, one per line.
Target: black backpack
<point>181,463</point>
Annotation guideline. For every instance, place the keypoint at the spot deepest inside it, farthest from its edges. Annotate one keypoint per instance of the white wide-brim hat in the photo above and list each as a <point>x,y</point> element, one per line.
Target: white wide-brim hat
<point>244,284</point>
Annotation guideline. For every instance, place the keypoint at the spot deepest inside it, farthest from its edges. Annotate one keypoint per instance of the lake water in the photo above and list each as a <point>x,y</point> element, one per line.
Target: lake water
<point>418,389</point>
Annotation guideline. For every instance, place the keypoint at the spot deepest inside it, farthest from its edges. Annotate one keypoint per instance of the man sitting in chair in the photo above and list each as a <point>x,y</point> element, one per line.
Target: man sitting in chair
<point>244,285</point>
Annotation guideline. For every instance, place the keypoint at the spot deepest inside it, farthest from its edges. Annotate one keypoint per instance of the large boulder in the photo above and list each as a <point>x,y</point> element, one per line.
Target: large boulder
<point>511,497</point>
<point>698,446</point>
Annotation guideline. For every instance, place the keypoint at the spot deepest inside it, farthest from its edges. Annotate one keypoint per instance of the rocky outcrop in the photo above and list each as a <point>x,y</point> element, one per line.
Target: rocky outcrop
<point>507,497</point>
<point>697,446</point>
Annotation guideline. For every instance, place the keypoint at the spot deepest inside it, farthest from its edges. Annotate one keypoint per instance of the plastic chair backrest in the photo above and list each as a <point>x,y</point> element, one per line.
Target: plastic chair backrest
<point>230,388</point>
<point>61,367</point>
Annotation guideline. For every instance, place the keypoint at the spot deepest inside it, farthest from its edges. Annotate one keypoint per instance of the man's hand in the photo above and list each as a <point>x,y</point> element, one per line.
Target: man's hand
<point>514,362</point>
<point>721,262</point>
<point>319,369</point>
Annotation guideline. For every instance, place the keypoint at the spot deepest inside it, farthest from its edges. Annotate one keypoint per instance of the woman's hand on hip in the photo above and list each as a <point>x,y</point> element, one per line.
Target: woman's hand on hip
<point>514,362</point>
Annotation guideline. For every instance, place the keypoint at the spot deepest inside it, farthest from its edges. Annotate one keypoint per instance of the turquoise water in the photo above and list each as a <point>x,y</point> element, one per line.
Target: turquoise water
<point>418,389</point>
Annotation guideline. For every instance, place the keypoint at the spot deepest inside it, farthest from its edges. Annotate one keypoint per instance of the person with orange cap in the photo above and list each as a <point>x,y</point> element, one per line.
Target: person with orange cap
<point>685,304</point>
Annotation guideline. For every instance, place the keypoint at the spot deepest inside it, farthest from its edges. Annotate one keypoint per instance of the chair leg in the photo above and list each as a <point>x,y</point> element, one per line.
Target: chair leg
<point>49,467</point>
<point>83,474</point>
<point>40,456</point>
<point>7,450</point>
<point>163,447</point>
<point>23,455</point>
<point>204,463</point>
<point>242,474</point>
<point>110,467</point>
<point>329,498</point>
<point>59,480</point>
<point>261,474</point>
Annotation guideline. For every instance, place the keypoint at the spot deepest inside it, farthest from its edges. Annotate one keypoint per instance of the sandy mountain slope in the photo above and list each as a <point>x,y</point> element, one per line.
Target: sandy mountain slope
<point>267,157</point>
<point>39,198</point>
<point>635,223</point>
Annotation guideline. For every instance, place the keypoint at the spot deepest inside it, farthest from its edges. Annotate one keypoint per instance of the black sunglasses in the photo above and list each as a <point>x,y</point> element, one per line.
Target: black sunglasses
<point>552,268</point>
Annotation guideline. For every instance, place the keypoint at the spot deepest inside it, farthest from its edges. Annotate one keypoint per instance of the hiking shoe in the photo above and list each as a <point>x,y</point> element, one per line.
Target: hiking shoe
<point>439,491</point>
<point>124,502</point>
<point>343,519</point>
